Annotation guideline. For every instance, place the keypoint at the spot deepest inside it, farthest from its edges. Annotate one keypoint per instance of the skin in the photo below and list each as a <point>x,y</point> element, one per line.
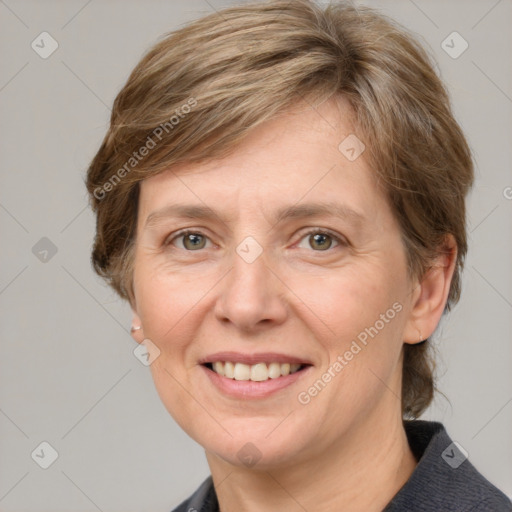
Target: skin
<point>346,449</point>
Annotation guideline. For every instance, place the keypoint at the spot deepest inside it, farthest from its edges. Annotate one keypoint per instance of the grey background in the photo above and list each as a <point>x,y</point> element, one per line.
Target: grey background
<point>67,372</point>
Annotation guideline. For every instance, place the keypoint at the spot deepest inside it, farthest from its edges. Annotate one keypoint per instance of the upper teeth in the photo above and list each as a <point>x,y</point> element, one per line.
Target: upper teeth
<point>256,372</point>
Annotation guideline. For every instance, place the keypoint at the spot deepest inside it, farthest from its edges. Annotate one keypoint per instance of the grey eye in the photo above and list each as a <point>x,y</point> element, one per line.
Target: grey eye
<point>321,241</point>
<point>192,241</point>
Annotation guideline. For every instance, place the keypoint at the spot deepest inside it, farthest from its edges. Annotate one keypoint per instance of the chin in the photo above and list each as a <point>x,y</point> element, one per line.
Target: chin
<point>260,455</point>
<point>259,444</point>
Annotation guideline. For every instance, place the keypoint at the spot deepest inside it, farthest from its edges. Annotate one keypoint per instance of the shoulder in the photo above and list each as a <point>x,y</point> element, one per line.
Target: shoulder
<point>203,499</point>
<point>444,479</point>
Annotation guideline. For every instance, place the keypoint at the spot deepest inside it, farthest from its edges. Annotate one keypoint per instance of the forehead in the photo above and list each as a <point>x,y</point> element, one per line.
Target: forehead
<point>297,157</point>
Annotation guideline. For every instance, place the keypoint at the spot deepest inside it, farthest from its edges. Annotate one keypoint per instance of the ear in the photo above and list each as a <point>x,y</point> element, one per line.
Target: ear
<point>431,293</point>
<point>136,329</point>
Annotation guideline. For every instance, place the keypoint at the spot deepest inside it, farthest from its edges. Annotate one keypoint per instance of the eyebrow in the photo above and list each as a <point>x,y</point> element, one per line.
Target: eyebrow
<point>299,211</point>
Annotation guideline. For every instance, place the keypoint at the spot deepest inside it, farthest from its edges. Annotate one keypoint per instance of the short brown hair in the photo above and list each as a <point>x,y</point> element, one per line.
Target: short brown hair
<point>200,90</point>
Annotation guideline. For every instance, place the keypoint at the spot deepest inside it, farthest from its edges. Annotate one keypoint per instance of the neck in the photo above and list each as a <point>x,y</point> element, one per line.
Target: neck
<point>362,471</point>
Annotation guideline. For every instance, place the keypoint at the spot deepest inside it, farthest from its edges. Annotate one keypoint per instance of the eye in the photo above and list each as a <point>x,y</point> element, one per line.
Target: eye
<point>318,239</point>
<point>321,240</point>
<point>191,240</point>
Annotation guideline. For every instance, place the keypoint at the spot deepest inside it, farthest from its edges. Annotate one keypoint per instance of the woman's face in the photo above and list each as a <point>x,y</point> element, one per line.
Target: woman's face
<point>293,257</point>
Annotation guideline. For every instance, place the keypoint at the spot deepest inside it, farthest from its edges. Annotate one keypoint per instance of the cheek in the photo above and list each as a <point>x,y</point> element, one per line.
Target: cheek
<point>358,315</point>
<point>170,308</point>
<point>176,394</point>
<point>350,301</point>
<point>166,302</point>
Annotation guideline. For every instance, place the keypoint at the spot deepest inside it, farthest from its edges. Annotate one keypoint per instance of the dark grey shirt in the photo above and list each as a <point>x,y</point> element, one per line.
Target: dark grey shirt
<point>443,481</point>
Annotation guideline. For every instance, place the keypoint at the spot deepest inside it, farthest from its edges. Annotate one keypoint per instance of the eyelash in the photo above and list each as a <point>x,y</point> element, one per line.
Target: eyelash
<point>313,231</point>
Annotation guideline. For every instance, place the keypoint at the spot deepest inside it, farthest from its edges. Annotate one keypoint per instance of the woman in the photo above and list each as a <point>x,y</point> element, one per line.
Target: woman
<point>281,198</point>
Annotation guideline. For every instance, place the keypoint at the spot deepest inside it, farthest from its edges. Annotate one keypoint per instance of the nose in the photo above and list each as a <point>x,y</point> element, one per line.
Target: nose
<point>252,296</point>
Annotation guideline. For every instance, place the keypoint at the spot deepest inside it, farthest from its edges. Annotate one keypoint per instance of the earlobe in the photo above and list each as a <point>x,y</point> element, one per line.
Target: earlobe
<point>431,294</point>
<point>136,328</point>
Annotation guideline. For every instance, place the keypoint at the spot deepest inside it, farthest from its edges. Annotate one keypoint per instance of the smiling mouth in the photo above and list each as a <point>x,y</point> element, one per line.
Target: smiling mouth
<point>259,372</point>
